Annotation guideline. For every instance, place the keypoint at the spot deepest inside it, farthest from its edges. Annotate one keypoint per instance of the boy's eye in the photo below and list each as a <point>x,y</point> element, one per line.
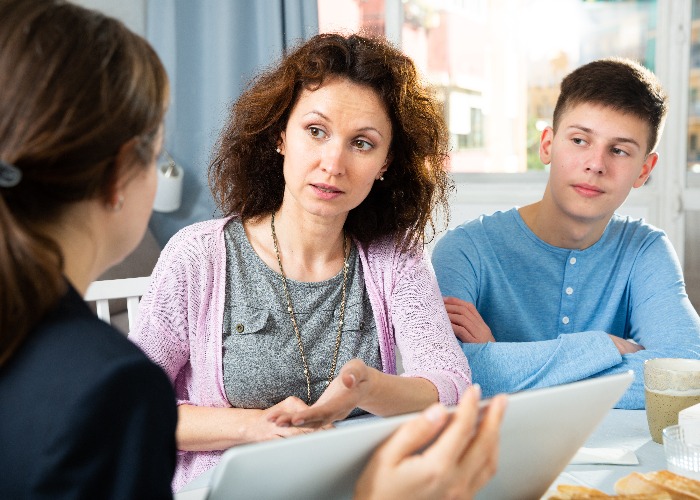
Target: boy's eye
<point>619,152</point>
<point>578,140</point>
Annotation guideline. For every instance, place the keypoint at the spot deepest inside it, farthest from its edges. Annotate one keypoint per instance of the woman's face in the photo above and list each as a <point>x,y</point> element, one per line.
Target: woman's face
<point>139,191</point>
<point>335,146</point>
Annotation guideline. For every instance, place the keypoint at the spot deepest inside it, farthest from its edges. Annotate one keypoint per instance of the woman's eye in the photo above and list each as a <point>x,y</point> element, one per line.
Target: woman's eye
<point>317,132</point>
<point>361,144</point>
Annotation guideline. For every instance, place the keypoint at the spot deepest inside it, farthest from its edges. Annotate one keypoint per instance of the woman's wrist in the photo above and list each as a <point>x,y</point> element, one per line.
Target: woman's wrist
<point>394,395</point>
<point>209,429</point>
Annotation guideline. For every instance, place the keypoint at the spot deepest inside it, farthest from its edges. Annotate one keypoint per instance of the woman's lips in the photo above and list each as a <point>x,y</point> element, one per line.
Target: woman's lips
<point>326,191</point>
<point>326,188</point>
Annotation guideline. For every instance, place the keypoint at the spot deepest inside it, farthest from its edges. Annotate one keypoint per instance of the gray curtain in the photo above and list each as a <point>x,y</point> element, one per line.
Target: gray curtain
<point>211,49</point>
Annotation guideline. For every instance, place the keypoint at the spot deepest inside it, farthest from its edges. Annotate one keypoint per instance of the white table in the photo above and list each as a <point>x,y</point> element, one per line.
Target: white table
<point>620,428</point>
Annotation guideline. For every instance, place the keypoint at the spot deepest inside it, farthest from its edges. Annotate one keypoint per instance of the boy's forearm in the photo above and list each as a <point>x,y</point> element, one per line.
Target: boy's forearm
<point>515,366</point>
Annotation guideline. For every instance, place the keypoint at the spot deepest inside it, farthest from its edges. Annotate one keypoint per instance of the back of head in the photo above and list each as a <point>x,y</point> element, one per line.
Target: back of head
<point>76,86</point>
<point>619,84</point>
<point>416,181</point>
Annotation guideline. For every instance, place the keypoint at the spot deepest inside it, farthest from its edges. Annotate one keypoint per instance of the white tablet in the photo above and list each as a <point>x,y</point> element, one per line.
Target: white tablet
<point>542,430</point>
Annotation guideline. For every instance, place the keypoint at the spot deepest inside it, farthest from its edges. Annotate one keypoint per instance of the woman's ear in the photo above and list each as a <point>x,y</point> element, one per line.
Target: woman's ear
<point>280,144</point>
<point>387,162</point>
<point>123,172</point>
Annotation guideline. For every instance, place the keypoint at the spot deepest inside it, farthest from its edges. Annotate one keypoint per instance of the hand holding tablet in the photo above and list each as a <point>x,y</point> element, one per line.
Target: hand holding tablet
<point>437,454</point>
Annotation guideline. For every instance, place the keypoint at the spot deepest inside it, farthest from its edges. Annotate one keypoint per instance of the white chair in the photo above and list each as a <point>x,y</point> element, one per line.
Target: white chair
<point>131,289</point>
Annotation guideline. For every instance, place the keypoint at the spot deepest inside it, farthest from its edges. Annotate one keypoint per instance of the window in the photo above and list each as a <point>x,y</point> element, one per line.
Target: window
<point>497,64</point>
<point>694,93</point>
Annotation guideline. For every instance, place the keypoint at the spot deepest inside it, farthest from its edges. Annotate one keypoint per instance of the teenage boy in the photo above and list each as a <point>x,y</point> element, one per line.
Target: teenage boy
<point>565,289</point>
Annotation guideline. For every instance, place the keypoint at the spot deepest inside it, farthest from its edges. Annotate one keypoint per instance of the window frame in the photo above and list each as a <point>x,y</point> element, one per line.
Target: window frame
<point>665,199</point>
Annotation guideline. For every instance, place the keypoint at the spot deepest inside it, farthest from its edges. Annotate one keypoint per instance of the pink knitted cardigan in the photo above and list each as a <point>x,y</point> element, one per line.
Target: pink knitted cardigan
<point>181,319</point>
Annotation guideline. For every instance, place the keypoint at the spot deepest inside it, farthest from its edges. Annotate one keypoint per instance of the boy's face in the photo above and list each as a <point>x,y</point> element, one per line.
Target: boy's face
<point>597,156</point>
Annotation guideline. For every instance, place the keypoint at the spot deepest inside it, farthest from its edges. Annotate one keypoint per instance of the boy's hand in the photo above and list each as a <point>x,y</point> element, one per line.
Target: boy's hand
<point>467,323</point>
<point>625,346</point>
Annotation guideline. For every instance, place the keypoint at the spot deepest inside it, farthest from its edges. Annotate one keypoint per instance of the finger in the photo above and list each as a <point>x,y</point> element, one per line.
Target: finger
<point>456,309</point>
<point>292,403</point>
<point>465,308</point>
<point>278,415</point>
<point>480,460</point>
<point>321,415</point>
<point>465,317</point>
<point>273,414</point>
<point>493,415</point>
<point>458,434</point>
<point>472,309</point>
<point>355,364</point>
<point>281,420</point>
<point>477,328</point>
<point>349,379</point>
<point>315,416</point>
<point>463,334</point>
<point>456,319</point>
<point>303,418</point>
<point>294,431</point>
<point>454,301</point>
<point>413,435</point>
<point>352,374</point>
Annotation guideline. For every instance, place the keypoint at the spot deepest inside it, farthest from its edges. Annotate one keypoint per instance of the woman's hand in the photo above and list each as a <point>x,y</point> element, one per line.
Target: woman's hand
<point>459,463</point>
<point>345,393</point>
<point>204,429</point>
<point>467,323</point>
<point>263,427</point>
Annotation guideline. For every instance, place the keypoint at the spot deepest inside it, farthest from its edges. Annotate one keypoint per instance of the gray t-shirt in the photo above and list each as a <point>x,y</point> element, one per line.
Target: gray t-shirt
<point>261,361</point>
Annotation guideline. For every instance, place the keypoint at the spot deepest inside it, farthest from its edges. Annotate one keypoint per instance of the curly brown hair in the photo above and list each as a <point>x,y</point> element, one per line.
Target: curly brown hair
<point>246,176</point>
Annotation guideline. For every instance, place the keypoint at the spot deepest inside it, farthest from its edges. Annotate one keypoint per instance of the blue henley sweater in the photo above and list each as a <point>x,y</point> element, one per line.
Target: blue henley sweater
<point>550,309</point>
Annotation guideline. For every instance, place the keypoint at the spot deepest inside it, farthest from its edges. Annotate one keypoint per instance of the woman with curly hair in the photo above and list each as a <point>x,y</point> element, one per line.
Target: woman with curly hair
<point>286,315</point>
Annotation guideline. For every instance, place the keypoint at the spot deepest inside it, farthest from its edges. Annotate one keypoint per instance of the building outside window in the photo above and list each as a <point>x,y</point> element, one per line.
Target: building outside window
<point>497,64</point>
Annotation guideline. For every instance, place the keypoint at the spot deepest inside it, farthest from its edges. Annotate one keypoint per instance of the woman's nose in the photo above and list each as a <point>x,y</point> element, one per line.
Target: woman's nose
<point>332,158</point>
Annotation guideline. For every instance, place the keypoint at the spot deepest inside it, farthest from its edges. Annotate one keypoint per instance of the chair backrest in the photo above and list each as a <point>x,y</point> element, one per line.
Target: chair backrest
<point>130,289</point>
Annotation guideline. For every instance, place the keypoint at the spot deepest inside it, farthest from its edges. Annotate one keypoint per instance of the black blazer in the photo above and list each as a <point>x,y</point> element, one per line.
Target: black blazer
<point>84,413</point>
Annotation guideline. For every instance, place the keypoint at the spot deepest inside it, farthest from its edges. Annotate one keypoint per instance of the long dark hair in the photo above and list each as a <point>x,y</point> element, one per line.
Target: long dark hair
<point>76,86</point>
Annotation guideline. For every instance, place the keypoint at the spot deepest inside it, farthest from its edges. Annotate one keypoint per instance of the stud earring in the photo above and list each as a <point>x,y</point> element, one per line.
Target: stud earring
<point>278,150</point>
<point>119,204</point>
<point>381,177</point>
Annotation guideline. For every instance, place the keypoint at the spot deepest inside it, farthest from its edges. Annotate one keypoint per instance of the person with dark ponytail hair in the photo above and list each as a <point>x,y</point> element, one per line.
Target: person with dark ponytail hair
<point>83,412</point>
